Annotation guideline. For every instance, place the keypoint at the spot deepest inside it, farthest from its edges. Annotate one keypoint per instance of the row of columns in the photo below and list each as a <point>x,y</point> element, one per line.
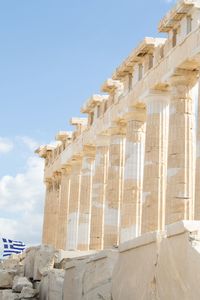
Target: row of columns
<point>137,179</point>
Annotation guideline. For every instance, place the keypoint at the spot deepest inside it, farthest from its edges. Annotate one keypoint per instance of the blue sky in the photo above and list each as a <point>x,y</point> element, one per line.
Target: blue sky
<point>53,56</point>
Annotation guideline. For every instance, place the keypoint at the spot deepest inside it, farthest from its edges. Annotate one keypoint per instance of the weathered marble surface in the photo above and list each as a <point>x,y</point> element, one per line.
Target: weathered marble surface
<point>160,268</point>
<point>89,278</point>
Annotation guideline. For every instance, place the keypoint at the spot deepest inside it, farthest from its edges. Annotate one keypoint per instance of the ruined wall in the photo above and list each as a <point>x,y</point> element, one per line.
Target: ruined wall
<point>160,267</point>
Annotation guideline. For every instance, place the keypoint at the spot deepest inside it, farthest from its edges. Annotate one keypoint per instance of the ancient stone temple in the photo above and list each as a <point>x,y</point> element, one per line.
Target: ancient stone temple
<point>132,166</point>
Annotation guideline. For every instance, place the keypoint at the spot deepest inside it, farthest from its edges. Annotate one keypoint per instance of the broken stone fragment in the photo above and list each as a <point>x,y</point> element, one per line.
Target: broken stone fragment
<point>8,295</point>
<point>44,261</point>
<point>21,282</point>
<point>28,293</point>
<point>30,261</point>
<point>6,278</point>
<point>52,285</point>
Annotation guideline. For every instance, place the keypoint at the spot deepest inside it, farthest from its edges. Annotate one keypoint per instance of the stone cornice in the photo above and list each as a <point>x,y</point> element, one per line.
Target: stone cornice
<point>42,150</point>
<point>145,47</point>
<point>92,102</point>
<point>110,86</point>
<point>79,121</point>
<point>63,136</point>
<point>176,14</point>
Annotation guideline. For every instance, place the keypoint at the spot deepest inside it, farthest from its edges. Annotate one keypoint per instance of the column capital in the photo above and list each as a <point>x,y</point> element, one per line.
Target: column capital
<point>49,183</point>
<point>117,128</point>
<point>76,160</point>
<point>135,113</point>
<point>155,95</point>
<point>66,170</point>
<point>89,150</point>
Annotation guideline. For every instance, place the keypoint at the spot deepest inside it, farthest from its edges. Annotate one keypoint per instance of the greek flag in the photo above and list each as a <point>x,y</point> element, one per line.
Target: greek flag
<point>9,247</point>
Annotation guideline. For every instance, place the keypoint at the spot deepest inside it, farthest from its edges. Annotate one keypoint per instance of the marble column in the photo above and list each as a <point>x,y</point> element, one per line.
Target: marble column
<point>74,204</point>
<point>180,185</point>
<point>133,175</point>
<point>86,198</point>
<point>155,165</point>
<point>46,221</point>
<point>114,187</point>
<point>98,193</point>
<point>63,209</point>
<point>197,180</point>
<point>52,210</point>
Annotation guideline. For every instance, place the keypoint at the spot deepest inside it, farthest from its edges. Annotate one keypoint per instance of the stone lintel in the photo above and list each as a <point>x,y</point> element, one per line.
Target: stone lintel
<point>63,136</point>
<point>145,47</point>
<point>92,102</point>
<point>110,86</point>
<point>176,14</point>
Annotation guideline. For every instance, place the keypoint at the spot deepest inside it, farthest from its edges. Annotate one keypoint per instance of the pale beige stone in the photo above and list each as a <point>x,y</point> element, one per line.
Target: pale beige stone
<point>30,261</point>
<point>20,282</point>
<point>8,295</point>
<point>98,193</point>
<point>131,207</point>
<point>44,261</point>
<point>114,187</point>
<point>90,277</point>
<point>61,237</point>
<point>51,286</point>
<point>74,204</point>
<point>28,293</point>
<point>6,278</point>
<point>86,198</point>
<point>160,267</point>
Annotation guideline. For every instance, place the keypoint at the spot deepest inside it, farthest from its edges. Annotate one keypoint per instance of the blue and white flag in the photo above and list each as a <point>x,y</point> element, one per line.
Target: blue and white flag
<point>9,247</point>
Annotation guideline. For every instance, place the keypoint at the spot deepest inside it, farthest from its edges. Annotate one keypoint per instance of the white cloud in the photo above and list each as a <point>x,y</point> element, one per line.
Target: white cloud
<point>5,145</point>
<point>30,143</point>
<point>22,198</point>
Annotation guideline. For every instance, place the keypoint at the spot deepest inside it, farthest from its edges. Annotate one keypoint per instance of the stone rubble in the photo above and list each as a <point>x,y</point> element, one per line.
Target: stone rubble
<point>45,273</point>
<point>154,266</point>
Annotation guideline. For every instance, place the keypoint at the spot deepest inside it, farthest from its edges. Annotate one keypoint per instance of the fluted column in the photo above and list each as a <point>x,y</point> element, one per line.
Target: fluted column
<point>133,175</point>
<point>74,203</point>
<point>52,210</point>
<point>197,181</point>
<point>155,165</point>
<point>114,187</point>
<point>86,198</point>
<point>63,209</point>
<point>98,193</point>
<point>46,221</point>
<point>180,186</point>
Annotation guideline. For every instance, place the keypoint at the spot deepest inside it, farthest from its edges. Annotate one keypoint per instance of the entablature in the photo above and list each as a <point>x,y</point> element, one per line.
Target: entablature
<point>173,18</point>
